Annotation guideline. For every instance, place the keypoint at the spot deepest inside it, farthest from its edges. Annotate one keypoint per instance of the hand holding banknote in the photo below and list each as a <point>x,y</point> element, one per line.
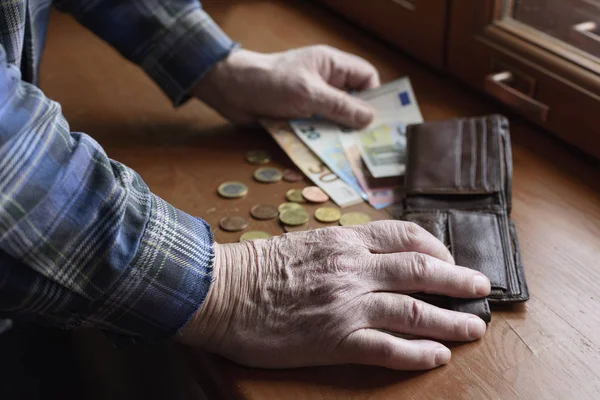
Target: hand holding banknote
<point>368,160</point>
<point>293,84</point>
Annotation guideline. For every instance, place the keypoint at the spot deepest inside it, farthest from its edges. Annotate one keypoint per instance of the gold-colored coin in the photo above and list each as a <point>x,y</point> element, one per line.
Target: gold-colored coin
<point>252,235</point>
<point>258,157</point>
<point>295,196</point>
<point>268,174</point>
<point>327,214</point>
<point>354,218</point>
<point>264,211</point>
<point>233,224</point>
<point>232,190</point>
<point>294,217</point>
<point>289,206</point>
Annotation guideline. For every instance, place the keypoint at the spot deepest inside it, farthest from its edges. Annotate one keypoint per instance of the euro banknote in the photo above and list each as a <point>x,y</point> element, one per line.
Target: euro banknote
<point>338,190</point>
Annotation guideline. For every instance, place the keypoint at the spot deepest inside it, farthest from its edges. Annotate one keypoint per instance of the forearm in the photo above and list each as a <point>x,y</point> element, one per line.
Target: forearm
<point>175,42</point>
<point>83,241</point>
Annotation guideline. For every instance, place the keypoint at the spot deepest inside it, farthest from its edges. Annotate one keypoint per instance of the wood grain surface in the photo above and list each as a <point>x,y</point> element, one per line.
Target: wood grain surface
<point>548,348</point>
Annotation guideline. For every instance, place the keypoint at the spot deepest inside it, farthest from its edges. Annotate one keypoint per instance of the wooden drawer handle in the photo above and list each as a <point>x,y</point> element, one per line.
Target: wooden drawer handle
<point>584,36</point>
<point>495,84</point>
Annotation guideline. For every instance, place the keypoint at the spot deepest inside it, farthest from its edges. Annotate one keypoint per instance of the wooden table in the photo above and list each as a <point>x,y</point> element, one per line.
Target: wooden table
<point>546,348</point>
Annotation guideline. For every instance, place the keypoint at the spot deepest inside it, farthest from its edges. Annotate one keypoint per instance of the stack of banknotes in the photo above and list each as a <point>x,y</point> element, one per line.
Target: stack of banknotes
<point>355,165</point>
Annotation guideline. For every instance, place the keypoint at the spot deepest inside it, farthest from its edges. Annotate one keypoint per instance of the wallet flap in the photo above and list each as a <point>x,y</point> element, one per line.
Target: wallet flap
<point>460,156</point>
<point>476,243</point>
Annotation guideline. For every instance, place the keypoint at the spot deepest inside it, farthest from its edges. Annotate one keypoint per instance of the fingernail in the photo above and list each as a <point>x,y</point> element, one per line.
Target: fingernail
<point>442,356</point>
<point>481,285</point>
<point>475,328</point>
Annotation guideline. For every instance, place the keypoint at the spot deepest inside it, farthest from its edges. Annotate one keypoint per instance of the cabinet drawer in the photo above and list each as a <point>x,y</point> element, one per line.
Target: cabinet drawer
<point>417,26</point>
<point>530,75</point>
<point>561,108</point>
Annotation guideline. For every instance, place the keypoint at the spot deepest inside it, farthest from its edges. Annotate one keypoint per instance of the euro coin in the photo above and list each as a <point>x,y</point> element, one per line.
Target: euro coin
<point>354,218</point>
<point>294,217</point>
<point>268,174</point>
<point>232,190</point>
<point>252,235</point>
<point>233,224</point>
<point>290,175</point>
<point>295,196</point>
<point>289,206</point>
<point>258,157</point>
<point>314,194</point>
<point>264,211</point>
<point>327,214</point>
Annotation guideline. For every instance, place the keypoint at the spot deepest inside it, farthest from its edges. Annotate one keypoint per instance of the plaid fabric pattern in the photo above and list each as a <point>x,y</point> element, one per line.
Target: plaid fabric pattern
<point>83,241</point>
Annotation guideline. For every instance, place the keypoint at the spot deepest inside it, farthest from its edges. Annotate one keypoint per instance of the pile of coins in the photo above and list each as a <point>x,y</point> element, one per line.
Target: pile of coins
<point>292,214</point>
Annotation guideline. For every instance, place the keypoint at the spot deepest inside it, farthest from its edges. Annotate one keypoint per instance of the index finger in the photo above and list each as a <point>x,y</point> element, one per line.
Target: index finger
<point>352,72</point>
<point>400,236</point>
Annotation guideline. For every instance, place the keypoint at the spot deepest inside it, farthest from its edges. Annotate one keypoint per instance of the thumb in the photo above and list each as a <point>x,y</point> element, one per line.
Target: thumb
<point>338,106</point>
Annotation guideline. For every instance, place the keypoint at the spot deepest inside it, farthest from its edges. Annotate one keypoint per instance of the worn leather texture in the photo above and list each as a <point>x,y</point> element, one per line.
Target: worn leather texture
<point>458,187</point>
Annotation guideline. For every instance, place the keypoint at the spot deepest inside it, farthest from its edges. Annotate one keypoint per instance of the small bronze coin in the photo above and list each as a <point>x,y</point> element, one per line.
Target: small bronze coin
<point>252,235</point>
<point>354,218</point>
<point>290,175</point>
<point>327,214</point>
<point>268,174</point>
<point>233,224</point>
<point>232,190</point>
<point>294,217</point>
<point>295,196</point>
<point>258,157</point>
<point>264,211</point>
<point>289,206</point>
<point>314,194</point>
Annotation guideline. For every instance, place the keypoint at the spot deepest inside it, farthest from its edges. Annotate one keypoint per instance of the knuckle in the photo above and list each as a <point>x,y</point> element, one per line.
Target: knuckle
<point>304,86</point>
<point>460,327</point>
<point>339,106</point>
<point>415,313</point>
<point>412,231</point>
<point>305,94</point>
<point>337,236</point>
<point>421,268</point>
<point>322,49</point>
<point>337,262</point>
<point>463,279</point>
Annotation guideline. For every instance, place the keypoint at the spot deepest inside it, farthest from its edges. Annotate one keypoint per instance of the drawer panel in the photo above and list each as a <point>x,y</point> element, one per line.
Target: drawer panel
<point>416,26</point>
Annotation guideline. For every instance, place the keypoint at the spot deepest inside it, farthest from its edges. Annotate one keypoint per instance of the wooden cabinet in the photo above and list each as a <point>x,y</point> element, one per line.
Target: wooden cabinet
<point>536,71</point>
<point>417,26</point>
<point>539,57</point>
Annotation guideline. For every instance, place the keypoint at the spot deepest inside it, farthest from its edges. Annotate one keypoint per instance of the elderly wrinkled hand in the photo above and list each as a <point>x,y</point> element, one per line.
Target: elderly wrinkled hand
<point>334,296</point>
<point>299,83</point>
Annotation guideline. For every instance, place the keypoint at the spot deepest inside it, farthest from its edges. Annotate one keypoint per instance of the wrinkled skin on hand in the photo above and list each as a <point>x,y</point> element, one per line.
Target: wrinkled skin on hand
<point>299,83</point>
<point>333,296</point>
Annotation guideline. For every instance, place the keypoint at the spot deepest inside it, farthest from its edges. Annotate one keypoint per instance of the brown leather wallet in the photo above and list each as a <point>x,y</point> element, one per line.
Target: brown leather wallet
<point>458,187</point>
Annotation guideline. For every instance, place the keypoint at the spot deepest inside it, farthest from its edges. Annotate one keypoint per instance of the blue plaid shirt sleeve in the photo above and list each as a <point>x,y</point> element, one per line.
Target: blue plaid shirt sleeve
<point>174,41</point>
<point>83,241</point>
